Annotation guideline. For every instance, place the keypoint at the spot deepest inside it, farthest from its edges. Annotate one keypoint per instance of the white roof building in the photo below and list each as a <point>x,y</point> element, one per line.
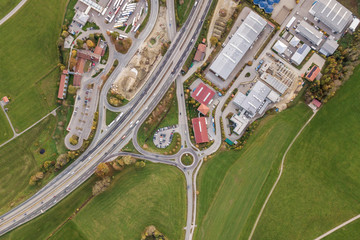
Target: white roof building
<point>332,14</point>
<point>300,54</point>
<point>310,33</point>
<point>354,24</point>
<point>239,44</point>
<point>294,41</point>
<point>279,47</point>
<point>329,47</point>
<point>81,17</point>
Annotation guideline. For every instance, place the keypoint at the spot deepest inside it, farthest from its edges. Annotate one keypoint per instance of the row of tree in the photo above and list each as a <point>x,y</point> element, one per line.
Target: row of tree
<point>338,68</point>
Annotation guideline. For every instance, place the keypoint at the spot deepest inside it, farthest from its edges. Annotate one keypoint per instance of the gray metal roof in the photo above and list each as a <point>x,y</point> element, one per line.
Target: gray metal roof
<point>239,98</point>
<point>331,13</point>
<point>300,54</point>
<point>274,82</point>
<point>255,100</point>
<point>329,47</point>
<point>238,45</point>
<point>310,33</point>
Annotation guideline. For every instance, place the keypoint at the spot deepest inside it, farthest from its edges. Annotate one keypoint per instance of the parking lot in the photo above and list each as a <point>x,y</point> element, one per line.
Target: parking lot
<point>164,136</point>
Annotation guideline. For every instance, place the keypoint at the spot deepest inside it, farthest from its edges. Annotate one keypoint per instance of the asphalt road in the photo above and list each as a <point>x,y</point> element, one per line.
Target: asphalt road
<point>103,146</point>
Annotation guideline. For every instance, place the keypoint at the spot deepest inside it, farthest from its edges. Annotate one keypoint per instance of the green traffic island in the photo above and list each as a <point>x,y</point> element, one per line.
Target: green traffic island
<point>187,159</point>
<point>130,148</point>
<point>110,116</point>
<point>115,99</point>
<point>165,114</point>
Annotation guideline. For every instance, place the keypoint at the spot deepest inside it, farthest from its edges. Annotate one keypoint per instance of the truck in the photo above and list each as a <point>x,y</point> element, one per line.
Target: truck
<point>292,20</point>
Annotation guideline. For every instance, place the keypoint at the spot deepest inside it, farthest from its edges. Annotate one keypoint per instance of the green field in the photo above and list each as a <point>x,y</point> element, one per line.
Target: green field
<point>319,188</point>
<point>5,130</point>
<point>154,195</point>
<point>110,116</point>
<point>6,6</point>
<point>182,11</point>
<point>29,73</point>
<point>231,183</point>
<point>350,231</point>
<point>20,158</point>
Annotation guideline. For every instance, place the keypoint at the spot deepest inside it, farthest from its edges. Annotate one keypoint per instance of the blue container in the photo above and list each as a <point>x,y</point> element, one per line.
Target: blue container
<point>270,2</point>
<point>276,1</point>
<point>257,2</point>
<point>263,5</point>
<point>269,9</point>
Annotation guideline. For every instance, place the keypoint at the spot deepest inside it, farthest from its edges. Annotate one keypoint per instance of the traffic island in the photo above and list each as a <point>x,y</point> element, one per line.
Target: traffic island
<point>187,159</point>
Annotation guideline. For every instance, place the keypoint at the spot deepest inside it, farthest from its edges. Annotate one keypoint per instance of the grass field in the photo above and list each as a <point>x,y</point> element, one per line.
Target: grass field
<point>5,130</point>
<point>122,212</point>
<point>110,116</point>
<point>29,73</point>
<point>6,6</point>
<point>319,188</point>
<point>20,158</point>
<point>182,11</point>
<point>350,231</point>
<point>231,182</point>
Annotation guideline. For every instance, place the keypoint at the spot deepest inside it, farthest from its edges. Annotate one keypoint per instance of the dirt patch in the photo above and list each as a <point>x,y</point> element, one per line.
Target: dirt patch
<point>224,10</point>
<point>135,74</point>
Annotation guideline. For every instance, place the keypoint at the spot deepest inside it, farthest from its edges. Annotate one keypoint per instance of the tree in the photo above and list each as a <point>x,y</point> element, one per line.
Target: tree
<point>90,43</point>
<point>213,41</point>
<point>74,139</point>
<point>102,170</point>
<point>140,164</point>
<point>128,160</point>
<point>72,90</point>
<point>73,63</point>
<point>73,53</point>
<point>114,35</point>
<point>64,34</point>
<point>101,186</point>
<point>61,161</point>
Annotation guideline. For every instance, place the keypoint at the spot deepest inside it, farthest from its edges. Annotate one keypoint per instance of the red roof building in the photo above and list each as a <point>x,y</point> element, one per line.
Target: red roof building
<point>315,70</point>
<point>79,69</point>
<point>200,130</point>
<point>100,48</point>
<point>203,109</point>
<point>88,55</point>
<point>203,94</point>
<point>5,99</point>
<point>63,86</point>
<point>200,53</point>
<point>316,103</point>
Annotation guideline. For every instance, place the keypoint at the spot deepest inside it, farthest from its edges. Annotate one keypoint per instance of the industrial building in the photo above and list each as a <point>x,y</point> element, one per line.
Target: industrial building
<point>256,101</point>
<point>274,82</point>
<point>203,94</point>
<point>200,130</point>
<point>239,44</point>
<point>329,47</point>
<point>310,33</point>
<point>279,47</point>
<point>332,14</point>
<point>300,54</point>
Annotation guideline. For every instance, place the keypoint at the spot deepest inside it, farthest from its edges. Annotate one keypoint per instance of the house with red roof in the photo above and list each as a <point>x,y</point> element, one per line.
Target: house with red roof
<point>316,103</point>
<point>200,130</point>
<point>203,109</point>
<point>203,94</point>
<point>200,52</point>
<point>63,86</point>
<point>5,100</point>
<point>100,48</point>
<point>313,73</point>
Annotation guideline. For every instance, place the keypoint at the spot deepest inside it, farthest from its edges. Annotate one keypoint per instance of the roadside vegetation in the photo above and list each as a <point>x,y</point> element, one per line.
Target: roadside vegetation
<point>6,6</point>
<point>125,209</point>
<point>145,21</point>
<point>240,179</point>
<point>110,116</point>
<point>32,96</point>
<point>321,177</point>
<point>182,11</point>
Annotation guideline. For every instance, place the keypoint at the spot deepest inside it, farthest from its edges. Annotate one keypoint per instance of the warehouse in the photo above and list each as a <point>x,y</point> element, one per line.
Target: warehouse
<point>239,44</point>
<point>310,33</point>
<point>329,47</point>
<point>203,94</point>
<point>300,54</point>
<point>332,14</point>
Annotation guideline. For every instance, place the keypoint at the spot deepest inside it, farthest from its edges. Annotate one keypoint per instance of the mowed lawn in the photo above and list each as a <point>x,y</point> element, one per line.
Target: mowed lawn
<point>6,6</point>
<point>29,58</point>
<point>232,183</point>
<point>350,231</point>
<point>319,188</point>
<point>154,195</point>
<point>5,129</point>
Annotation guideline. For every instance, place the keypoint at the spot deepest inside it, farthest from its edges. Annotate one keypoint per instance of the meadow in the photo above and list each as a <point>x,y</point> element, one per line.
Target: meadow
<point>319,188</point>
<point>231,183</point>
<point>6,6</point>
<point>5,130</point>
<point>29,74</point>
<point>122,212</point>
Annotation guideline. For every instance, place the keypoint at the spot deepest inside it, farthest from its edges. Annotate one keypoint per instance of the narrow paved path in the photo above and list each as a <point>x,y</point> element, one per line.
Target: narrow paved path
<point>280,174</point>
<point>7,117</point>
<point>12,12</point>
<point>338,227</point>
<point>53,112</point>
